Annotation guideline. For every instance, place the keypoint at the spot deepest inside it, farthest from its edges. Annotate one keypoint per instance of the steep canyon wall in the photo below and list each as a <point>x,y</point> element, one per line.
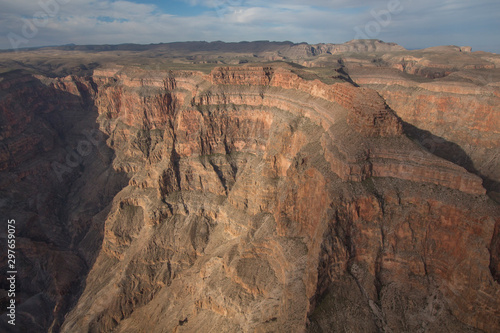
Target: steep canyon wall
<point>247,199</point>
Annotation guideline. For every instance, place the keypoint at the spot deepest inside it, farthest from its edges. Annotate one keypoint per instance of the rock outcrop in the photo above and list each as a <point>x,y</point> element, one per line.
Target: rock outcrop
<point>461,113</point>
<point>256,200</point>
<point>56,182</point>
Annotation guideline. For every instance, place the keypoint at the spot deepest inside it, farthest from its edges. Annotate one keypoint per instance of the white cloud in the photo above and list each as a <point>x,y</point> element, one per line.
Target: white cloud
<point>420,23</point>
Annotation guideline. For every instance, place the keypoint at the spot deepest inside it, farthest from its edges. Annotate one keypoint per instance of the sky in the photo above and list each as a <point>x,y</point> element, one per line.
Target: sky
<point>410,23</point>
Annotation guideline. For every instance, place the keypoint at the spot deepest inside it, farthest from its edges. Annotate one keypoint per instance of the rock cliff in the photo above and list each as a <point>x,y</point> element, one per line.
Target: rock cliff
<point>56,182</point>
<point>244,199</point>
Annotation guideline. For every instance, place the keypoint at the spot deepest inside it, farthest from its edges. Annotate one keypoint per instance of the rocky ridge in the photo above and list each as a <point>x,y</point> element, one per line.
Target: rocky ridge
<point>256,201</point>
<point>240,179</point>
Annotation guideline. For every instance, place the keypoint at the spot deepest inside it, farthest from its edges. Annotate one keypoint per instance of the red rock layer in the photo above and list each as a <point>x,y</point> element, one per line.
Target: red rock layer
<point>254,201</point>
<point>459,111</point>
<point>368,114</point>
<point>257,201</point>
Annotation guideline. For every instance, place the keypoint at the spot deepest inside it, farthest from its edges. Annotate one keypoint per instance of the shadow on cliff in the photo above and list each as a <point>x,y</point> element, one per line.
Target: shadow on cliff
<point>59,191</point>
<point>449,151</point>
<point>454,153</point>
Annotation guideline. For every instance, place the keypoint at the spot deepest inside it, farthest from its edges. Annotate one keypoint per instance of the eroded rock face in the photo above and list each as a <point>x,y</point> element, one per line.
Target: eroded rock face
<point>252,200</point>
<point>455,117</point>
<point>58,197</point>
<point>261,201</point>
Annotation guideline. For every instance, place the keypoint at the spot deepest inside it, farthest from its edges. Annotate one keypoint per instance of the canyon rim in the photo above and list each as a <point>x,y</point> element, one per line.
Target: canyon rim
<point>252,187</point>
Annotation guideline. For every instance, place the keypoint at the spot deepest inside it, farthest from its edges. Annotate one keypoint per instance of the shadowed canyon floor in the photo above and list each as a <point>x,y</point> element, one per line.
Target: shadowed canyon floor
<point>252,187</point>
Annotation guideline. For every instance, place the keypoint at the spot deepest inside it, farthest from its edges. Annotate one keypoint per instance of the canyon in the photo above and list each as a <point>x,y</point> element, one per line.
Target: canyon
<point>277,188</point>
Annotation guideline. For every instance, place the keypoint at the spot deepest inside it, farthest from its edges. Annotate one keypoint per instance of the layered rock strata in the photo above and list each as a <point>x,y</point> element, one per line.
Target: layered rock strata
<point>261,201</point>
<point>456,117</point>
<point>256,195</point>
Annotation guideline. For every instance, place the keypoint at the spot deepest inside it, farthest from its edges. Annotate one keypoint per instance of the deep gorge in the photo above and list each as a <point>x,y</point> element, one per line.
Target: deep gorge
<point>246,199</point>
